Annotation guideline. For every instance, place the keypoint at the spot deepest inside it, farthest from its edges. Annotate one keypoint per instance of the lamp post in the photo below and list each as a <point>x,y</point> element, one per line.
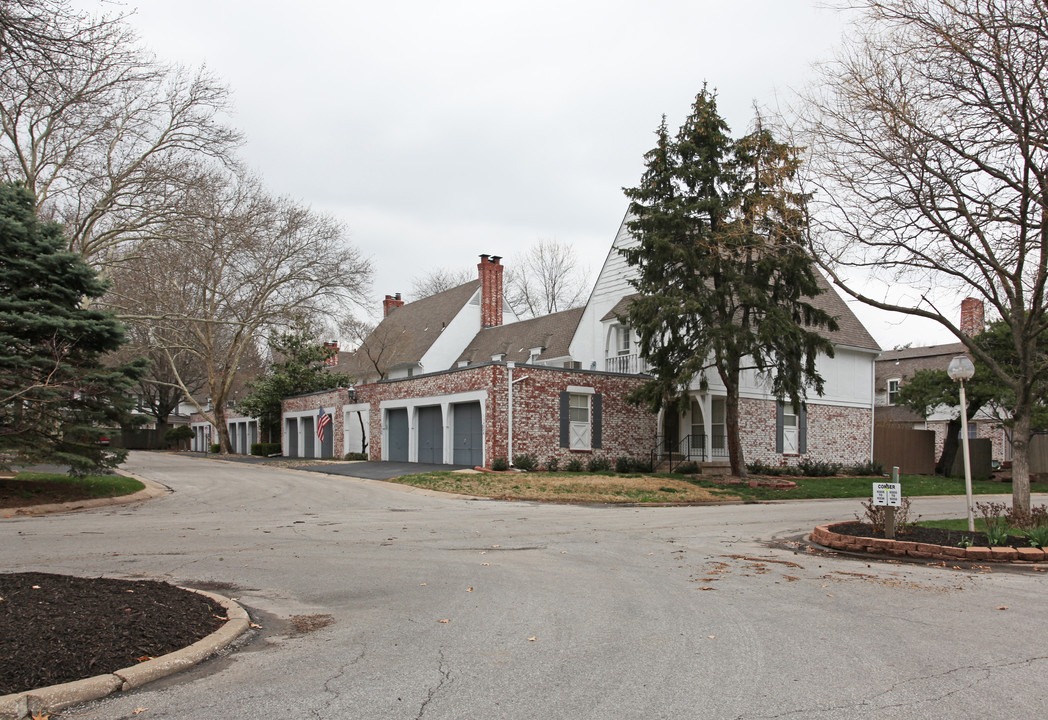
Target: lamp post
<point>961,369</point>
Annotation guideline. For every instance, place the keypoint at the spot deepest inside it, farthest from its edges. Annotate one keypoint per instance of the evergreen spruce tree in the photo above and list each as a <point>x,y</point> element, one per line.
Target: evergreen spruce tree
<point>57,399</point>
<point>723,278</point>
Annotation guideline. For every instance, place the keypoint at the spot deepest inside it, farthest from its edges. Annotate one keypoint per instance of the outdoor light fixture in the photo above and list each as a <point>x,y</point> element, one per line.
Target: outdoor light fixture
<point>961,369</point>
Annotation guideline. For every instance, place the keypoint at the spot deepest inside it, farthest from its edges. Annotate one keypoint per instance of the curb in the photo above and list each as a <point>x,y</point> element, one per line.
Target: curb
<point>824,535</point>
<point>49,700</point>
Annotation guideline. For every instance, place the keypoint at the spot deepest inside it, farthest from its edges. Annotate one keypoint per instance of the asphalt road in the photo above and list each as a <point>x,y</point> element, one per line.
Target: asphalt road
<point>551,611</point>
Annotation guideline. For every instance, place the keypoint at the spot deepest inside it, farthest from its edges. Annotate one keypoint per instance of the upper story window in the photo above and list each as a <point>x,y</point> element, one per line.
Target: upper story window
<point>893,390</point>
<point>622,339</point>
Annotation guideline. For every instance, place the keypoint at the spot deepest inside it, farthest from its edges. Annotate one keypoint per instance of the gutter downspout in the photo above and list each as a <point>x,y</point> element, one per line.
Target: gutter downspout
<point>510,383</point>
<point>873,405</point>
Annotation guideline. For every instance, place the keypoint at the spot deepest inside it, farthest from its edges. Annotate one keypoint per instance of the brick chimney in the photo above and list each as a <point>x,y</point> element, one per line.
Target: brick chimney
<point>972,316</point>
<point>490,290</point>
<point>333,358</point>
<point>391,301</point>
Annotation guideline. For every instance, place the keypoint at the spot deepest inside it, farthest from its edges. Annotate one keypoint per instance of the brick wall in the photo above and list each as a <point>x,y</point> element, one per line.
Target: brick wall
<point>332,402</point>
<point>626,429</point>
<point>835,433</point>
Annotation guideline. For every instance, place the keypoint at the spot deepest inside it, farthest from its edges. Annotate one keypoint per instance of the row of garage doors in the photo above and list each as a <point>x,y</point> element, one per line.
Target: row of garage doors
<point>467,434</point>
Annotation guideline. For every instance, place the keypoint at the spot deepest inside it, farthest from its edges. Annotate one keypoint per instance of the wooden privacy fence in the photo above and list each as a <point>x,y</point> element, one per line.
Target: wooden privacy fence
<point>913,451</point>
<point>1039,454</point>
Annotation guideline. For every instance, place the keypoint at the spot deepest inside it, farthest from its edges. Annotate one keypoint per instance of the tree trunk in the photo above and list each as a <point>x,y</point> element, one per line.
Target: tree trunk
<point>1021,462</point>
<point>949,448</point>
<point>225,445</point>
<point>731,423</point>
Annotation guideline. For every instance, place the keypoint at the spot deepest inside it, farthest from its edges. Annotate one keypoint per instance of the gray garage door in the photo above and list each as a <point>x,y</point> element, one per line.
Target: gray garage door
<point>468,434</point>
<point>308,437</point>
<point>430,435</point>
<point>397,424</point>
<point>292,437</point>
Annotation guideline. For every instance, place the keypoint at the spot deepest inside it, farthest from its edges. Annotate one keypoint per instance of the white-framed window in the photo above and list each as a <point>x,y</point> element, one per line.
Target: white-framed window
<point>579,421</point>
<point>893,390</point>
<point>622,339</point>
<point>790,431</point>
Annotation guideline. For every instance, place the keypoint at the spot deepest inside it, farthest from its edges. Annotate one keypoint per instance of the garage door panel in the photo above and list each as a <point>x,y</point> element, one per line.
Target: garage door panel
<point>468,434</point>
<point>430,435</point>
<point>397,434</point>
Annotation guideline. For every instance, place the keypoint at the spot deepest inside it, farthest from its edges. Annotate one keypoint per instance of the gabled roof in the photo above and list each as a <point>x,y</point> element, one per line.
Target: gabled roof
<point>552,333</point>
<point>904,362</point>
<point>851,332</point>
<point>407,332</point>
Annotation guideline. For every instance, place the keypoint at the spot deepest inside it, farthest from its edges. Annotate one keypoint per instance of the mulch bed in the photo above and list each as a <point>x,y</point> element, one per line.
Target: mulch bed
<point>58,628</point>
<point>931,536</point>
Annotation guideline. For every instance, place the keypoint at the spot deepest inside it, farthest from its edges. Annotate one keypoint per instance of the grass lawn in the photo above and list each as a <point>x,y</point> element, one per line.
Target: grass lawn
<point>32,488</point>
<point>670,488</point>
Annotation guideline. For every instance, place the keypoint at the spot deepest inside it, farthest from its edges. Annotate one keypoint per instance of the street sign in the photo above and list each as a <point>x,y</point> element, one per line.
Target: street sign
<point>887,494</point>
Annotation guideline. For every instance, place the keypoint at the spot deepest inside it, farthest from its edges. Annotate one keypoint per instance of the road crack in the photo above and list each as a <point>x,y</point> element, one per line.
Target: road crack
<point>445,679</point>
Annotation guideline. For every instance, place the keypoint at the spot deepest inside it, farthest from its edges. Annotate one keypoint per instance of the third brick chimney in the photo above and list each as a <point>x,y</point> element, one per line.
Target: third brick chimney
<point>973,317</point>
<point>490,290</point>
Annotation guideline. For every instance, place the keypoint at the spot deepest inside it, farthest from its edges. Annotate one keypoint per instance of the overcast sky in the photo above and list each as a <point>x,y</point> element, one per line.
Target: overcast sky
<point>441,130</point>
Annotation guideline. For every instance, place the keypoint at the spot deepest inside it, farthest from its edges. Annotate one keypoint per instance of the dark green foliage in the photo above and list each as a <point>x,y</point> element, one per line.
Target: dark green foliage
<point>552,465</point>
<point>178,435</point>
<point>356,456</point>
<point>500,464</point>
<point>687,468</point>
<point>626,465</point>
<point>818,468</point>
<point>868,468</point>
<point>574,465</point>
<point>598,464</point>
<point>215,447</point>
<point>724,279</point>
<point>525,462</point>
<point>299,368</point>
<point>266,449</point>
<point>56,396</point>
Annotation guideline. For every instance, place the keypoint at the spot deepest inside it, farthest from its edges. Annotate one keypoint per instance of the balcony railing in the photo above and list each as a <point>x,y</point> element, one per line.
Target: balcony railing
<point>629,364</point>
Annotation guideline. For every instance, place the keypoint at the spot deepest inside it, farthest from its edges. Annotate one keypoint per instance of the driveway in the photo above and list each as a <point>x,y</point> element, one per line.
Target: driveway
<point>377,601</point>
<point>378,470</point>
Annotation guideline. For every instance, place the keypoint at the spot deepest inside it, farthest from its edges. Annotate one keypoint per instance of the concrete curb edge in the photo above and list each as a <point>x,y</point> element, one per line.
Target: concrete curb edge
<point>23,705</point>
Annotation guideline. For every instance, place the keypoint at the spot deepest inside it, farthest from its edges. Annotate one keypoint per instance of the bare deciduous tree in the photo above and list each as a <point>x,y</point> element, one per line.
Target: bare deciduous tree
<point>235,262</point>
<point>929,137</point>
<point>105,136</point>
<point>439,280</point>
<point>544,279</point>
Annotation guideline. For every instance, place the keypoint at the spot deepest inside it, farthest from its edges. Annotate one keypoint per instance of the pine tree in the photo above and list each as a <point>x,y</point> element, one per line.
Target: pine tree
<point>57,399</point>
<point>723,278</point>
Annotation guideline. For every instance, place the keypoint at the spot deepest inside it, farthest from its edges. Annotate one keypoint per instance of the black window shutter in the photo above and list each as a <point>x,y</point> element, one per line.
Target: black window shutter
<point>778,427</point>
<point>802,430</point>
<point>564,415</point>
<point>597,416</point>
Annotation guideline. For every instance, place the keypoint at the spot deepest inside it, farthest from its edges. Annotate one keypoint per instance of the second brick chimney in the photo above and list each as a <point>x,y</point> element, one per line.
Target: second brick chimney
<point>490,290</point>
<point>973,317</point>
<point>333,358</point>
<point>391,301</point>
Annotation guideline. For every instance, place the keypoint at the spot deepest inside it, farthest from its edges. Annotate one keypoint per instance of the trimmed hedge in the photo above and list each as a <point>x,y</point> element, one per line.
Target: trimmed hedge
<point>265,449</point>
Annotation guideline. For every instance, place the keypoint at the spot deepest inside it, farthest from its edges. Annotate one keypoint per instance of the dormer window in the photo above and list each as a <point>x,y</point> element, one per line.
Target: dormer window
<point>893,390</point>
<point>622,339</point>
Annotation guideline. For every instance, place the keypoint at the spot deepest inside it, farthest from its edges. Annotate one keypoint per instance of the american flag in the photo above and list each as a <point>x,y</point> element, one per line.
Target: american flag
<point>323,420</point>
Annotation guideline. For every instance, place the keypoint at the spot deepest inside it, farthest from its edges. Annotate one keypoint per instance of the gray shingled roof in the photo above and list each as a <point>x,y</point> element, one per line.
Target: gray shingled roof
<point>903,363</point>
<point>407,332</point>
<point>553,333</point>
<point>851,333</point>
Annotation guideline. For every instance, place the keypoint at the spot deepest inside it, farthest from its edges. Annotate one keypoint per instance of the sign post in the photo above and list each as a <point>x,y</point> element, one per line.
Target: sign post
<point>888,495</point>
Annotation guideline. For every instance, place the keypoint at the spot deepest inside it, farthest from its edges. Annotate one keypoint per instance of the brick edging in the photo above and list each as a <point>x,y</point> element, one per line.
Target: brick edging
<point>824,535</point>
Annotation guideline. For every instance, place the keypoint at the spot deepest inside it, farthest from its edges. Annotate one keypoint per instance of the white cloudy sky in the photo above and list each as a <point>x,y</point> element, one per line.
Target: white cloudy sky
<point>441,130</point>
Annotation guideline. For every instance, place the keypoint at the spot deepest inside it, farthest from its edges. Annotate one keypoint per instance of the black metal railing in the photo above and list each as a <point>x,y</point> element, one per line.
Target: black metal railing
<point>692,448</point>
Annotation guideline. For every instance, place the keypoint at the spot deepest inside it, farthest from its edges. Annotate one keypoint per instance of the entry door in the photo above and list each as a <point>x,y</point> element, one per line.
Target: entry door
<point>468,434</point>
<point>790,436</point>
<point>671,429</point>
<point>397,426</point>
<point>430,435</point>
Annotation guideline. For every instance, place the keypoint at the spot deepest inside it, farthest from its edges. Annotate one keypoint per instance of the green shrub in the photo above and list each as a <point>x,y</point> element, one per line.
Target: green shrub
<point>265,449</point>
<point>598,464</point>
<point>179,432</point>
<point>1034,526</point>
<point>524,462</point>
<point>500,463</point>
<point>818,468</point>
<point>870,467</point>
<point>758,468</point>
<point>356,456</point>
<point>687,468</point>
<point>574,465</point>
<point>215,447</point>
<point>552,464</point>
